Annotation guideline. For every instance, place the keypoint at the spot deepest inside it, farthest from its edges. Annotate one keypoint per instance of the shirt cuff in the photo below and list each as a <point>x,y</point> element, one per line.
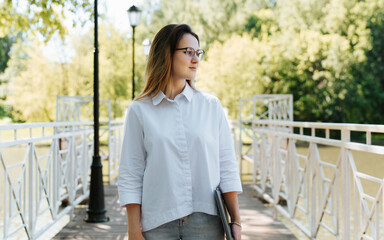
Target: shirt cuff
<point>231,186</point>
<point>129,198</point>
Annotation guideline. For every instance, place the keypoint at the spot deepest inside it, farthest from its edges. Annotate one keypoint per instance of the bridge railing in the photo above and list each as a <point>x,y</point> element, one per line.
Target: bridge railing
<point>45,171</point>
<point>115,141</point>
<point>332,195</point>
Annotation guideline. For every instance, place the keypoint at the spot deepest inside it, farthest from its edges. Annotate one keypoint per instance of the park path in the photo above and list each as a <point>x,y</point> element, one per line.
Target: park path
<point>257,221</point>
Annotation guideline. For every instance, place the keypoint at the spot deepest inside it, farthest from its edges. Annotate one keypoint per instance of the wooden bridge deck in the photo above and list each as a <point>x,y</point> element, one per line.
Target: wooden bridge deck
<point>257,221</point>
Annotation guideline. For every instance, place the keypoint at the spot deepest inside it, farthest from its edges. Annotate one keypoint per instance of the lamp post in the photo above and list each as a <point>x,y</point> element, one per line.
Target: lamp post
<point>134,19</point>
<point>96,208</point>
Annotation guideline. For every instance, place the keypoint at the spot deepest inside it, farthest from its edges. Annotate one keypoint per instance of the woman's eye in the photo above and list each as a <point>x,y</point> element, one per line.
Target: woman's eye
<point>190,53</point>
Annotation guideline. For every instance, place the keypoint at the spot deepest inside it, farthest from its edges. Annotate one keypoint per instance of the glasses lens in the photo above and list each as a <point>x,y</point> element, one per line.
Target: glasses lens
<point>190,52</point>
<point>200,54</point>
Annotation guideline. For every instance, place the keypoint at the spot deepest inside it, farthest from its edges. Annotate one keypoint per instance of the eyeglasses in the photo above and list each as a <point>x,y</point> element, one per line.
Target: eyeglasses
<point>190,52</point>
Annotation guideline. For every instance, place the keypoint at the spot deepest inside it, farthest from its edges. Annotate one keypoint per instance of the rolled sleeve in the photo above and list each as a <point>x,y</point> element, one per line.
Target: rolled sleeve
<point>229,170</point>
<point>132,163</point>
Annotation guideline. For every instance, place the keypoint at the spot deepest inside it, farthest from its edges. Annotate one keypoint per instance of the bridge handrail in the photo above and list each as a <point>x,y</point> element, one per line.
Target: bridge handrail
<point>15,126</point>
<point>336,126</point>
<point>44,181</point>
<point>281,173</point>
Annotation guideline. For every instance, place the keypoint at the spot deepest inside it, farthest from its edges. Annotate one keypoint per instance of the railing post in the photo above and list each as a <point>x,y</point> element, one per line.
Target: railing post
<point>55,174</point>
<point>254,156</point>
<point>290,107</point>
<point>6,190</point>
<point>240,141</point>
<point>382,201</point>
<point>85,167</point>
<point>30,190</point>
<point>313,186</point>
<point>71,170</point>
<point>377,220</point>
<point>346,185</point>
<point>270,111</point>
<point>110,151</point>
<point>276,173</point>
<point>57,108</point>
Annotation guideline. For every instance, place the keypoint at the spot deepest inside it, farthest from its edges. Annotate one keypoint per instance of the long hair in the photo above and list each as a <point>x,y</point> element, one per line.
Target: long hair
<point>159,65</point>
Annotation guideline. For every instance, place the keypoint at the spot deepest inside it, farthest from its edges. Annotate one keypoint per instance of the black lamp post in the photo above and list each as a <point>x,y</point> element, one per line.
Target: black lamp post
<point>96,208</point>
<point>134,19</point>
<point>147,46</point>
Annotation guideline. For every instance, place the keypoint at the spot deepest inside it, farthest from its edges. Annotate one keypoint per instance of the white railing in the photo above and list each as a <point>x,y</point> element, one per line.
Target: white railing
<point>266,107</point>
<point>43,184</point>
<point>326,196</point>
<point>115,141</point>
<point>80,108</point>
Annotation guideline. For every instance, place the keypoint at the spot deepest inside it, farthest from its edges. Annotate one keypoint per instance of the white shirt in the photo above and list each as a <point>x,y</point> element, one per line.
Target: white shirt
<point>174,155</point>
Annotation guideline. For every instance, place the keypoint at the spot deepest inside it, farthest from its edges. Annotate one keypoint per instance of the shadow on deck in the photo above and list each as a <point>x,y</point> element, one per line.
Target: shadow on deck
<point>257,220</point>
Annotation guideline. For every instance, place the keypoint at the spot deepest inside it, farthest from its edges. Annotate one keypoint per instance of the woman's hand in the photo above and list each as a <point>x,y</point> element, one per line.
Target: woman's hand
<point>230,199</point>
<point>236,232</point>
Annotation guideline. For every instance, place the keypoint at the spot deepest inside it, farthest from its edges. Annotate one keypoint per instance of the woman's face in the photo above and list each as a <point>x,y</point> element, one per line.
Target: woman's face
<point>184,67</point>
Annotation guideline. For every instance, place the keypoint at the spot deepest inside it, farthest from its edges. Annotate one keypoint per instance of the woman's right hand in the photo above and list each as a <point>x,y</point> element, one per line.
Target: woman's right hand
<point>134,225</point>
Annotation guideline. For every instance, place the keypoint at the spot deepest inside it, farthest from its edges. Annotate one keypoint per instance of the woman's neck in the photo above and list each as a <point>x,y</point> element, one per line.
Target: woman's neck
<point>177,87</point>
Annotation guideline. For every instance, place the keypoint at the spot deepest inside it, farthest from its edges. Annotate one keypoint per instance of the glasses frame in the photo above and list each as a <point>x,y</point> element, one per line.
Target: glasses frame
<point>197,53</point>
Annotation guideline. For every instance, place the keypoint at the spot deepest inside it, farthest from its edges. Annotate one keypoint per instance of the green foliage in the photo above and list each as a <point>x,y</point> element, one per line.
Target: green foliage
<point>234,70</point>
<point>213,20</point>
<point>116,68</point>
<point>366,98</point>
<point>35,88</point>
<point>40,81</point>
<point>262,24</point>
<point>328,54</point>
<point>5,48</point>
<point>43,16</point>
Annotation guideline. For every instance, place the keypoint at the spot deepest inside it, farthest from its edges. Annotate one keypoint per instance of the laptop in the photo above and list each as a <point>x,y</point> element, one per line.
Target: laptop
<point>223,213</point>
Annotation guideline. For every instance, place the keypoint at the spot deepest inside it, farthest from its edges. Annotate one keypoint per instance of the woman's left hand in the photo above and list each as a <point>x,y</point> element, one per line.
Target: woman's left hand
<point>236,232</point>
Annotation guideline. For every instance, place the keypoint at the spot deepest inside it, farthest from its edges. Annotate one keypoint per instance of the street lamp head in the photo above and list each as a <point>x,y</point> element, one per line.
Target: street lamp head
<point>134,15</point>
<point>147,46</point>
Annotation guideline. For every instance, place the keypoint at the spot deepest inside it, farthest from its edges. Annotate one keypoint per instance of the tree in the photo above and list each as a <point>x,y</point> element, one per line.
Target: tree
<point>36,79</point>
<point>212,20</point>
<point>44,16</point>
<point>234,70</point>
<point>367,98</point>
<point>115,67</point>
<point>327,54</point>
<point>5,48</point>
<point>38,83</point>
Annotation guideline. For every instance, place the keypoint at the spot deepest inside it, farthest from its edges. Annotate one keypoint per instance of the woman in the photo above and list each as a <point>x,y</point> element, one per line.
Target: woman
<point>177,149</point>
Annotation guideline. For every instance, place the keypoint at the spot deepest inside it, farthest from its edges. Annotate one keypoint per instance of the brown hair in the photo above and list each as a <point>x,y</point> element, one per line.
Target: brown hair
<point>159,65</point>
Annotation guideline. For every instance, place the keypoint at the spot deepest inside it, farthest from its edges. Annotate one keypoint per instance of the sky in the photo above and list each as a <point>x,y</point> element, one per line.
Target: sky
<point>116,12</point>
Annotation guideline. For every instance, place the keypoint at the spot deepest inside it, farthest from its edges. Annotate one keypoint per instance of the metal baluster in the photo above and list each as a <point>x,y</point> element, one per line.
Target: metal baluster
<point>346,185</point>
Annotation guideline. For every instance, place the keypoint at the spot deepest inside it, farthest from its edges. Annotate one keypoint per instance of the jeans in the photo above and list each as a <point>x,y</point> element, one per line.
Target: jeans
<point>197,226</point>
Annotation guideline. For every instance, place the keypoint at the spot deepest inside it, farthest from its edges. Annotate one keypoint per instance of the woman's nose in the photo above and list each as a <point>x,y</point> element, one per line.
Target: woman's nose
<point>195,58</point>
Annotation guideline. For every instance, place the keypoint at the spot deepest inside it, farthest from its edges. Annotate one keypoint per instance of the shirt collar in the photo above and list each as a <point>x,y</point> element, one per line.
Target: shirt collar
<point>158,98</point>
<point>187,92</point>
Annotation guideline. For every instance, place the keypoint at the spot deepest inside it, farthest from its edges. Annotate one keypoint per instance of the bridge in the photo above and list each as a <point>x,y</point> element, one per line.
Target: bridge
<point>322,196</point>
